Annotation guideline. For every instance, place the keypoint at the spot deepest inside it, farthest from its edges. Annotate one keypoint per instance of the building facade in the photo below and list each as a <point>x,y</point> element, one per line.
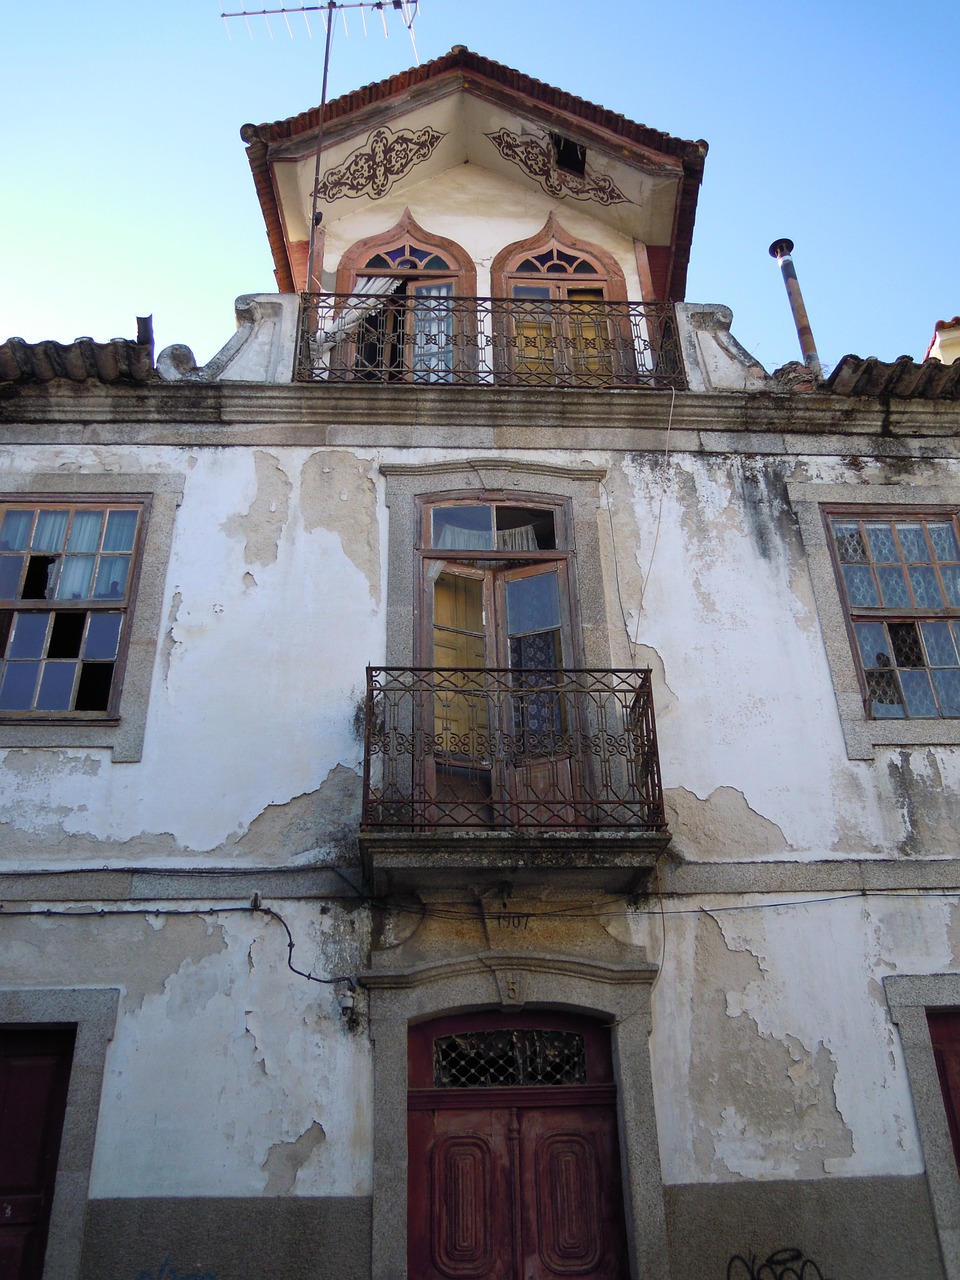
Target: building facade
<point>480,757</point>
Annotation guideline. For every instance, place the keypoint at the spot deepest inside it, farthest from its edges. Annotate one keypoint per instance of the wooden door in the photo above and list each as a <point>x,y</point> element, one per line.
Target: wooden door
<point>513,1181</point>
<point>945,1035</point>
<point>34,1075</point>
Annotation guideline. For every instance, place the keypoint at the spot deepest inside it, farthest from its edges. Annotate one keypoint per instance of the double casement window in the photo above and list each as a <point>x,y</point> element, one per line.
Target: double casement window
<point>899,574</point>
<point>67,581</point>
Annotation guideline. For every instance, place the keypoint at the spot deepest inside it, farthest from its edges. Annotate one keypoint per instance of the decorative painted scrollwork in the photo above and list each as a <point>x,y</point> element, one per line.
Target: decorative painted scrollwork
<point>373,168</point>
<point>539,162</point>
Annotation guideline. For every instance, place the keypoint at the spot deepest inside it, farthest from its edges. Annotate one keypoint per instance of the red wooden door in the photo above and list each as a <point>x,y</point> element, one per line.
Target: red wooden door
<point>514,1169</point>
<point>945,1034</point>
<point>34,1074</point>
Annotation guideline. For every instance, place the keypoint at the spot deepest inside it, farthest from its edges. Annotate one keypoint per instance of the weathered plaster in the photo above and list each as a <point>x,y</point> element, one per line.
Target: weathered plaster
<point>338,493</point>
<point>318,825</point>
<point>285,1160</point>
<point>767,1025</point>
<point>768,1102</point>
<point>199,1096</point>
<point>140,952</point>
<point>262,524</point>
<point>722,825</point>
<point>926,798</point>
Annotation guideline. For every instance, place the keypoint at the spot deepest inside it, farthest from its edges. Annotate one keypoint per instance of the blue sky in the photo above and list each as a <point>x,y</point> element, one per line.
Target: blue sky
<point>127,189</point>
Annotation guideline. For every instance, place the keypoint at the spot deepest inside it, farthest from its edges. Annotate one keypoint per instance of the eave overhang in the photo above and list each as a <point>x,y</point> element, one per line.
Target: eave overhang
<point>637,145</point>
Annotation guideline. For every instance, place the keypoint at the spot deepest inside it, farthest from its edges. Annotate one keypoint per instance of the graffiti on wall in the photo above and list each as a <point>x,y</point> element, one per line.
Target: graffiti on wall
<point>782,1264</point>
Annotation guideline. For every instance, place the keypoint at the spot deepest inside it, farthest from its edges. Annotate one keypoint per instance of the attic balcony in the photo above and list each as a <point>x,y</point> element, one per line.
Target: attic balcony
<point>477,775</point>
<point>415,339</point>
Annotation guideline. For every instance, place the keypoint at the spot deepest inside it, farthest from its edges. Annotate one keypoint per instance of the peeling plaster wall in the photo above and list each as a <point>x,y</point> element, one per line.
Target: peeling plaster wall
<point>250,716</point>
<point>773,1052</point>
<point>228,1074</point>
<point>717,599</point>
<point>274,604</point>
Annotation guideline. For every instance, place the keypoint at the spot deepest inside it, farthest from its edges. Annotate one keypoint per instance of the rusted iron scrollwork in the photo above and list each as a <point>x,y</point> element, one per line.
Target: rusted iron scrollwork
<point>783,1264</point>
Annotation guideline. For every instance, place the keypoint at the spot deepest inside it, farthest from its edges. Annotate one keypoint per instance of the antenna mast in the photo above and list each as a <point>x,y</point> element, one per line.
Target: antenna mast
<point>408,10</point>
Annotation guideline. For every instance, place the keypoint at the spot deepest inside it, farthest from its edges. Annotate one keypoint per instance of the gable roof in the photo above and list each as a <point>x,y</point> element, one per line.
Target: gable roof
<point>640,144</point>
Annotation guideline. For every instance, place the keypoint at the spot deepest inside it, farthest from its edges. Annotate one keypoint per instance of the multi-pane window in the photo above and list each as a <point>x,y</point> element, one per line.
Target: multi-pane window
<point>900,578</point>
<point>409,332</point>
<point>66,578</point>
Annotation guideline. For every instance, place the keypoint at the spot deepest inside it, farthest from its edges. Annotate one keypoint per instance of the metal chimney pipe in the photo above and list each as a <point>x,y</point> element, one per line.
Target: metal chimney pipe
<point>781,250</point>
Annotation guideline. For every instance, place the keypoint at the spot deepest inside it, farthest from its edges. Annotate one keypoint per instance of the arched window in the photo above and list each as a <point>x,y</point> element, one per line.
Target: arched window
<point>399,310</point>
<point>563,321</point>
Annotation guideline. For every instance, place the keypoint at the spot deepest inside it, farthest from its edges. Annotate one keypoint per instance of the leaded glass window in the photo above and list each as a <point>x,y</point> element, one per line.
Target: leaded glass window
<point>901,583</point>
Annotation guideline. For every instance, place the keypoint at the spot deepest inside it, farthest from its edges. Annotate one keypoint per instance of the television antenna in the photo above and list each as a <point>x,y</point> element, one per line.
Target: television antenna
<point>329,10</point>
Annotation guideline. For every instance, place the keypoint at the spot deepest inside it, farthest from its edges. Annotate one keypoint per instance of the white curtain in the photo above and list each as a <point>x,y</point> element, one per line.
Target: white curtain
<point>371,290</point>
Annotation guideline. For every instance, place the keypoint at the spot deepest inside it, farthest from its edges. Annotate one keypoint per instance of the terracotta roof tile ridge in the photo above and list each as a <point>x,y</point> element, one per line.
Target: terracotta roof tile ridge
<point>119,360</point>
<point>693,152</point>
<point>902,379</point>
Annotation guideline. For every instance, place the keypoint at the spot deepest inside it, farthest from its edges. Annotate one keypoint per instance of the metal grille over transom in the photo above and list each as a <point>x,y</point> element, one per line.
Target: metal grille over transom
<point>482,1060</point>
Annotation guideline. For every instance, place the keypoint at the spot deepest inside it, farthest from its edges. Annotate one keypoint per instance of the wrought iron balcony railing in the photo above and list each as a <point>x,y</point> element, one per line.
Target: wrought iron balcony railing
<point>498,750</point>
<point>516,342</point>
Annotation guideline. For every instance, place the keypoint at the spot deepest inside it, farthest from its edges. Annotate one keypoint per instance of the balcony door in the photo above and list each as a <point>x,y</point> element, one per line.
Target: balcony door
<point>499,637</point>
<point>565,320</point>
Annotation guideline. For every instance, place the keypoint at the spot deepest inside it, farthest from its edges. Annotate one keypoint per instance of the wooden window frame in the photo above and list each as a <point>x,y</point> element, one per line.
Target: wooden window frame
<point>122,729</point>
<point>606,278</point>
<point>552,235</point>
<point>884,615</point>
<point>460,273</point>
<point>809,500</point>
<point>562,555</point>
<point>463,271</point>
<point>18,607</point>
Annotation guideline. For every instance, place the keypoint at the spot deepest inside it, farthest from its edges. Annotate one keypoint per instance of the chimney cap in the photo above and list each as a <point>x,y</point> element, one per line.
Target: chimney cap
<point>781,248</point>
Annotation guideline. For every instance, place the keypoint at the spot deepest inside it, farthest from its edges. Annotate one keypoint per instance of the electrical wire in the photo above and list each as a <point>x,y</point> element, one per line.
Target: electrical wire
<point>253,908</point>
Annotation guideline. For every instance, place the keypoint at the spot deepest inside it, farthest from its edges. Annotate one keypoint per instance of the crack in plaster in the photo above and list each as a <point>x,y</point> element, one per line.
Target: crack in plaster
<point>170,643</point>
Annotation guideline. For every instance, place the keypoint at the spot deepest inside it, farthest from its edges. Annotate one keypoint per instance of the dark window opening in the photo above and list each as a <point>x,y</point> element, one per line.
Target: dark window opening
<point>571,156</point>
<point>81,559</point>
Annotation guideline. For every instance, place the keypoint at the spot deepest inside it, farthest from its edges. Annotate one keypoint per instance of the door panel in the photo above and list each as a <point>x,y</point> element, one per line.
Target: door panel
<point>515,1193</point>
<point>458,1196</point>
<point>573,1215</point>
<point>34,1075</point>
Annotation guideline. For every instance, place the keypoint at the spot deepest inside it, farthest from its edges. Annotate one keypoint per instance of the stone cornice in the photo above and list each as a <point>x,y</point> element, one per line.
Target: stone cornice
<point>238,414</point>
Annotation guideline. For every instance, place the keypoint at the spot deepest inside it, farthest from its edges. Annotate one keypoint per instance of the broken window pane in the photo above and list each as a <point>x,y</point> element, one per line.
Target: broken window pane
<point>63,661</point>
<point>910,666</point>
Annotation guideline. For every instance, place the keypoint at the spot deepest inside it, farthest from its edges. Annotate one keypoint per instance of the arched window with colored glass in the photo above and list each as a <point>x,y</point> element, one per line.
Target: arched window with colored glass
<point>397,319</point>
<point>565,321</point>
